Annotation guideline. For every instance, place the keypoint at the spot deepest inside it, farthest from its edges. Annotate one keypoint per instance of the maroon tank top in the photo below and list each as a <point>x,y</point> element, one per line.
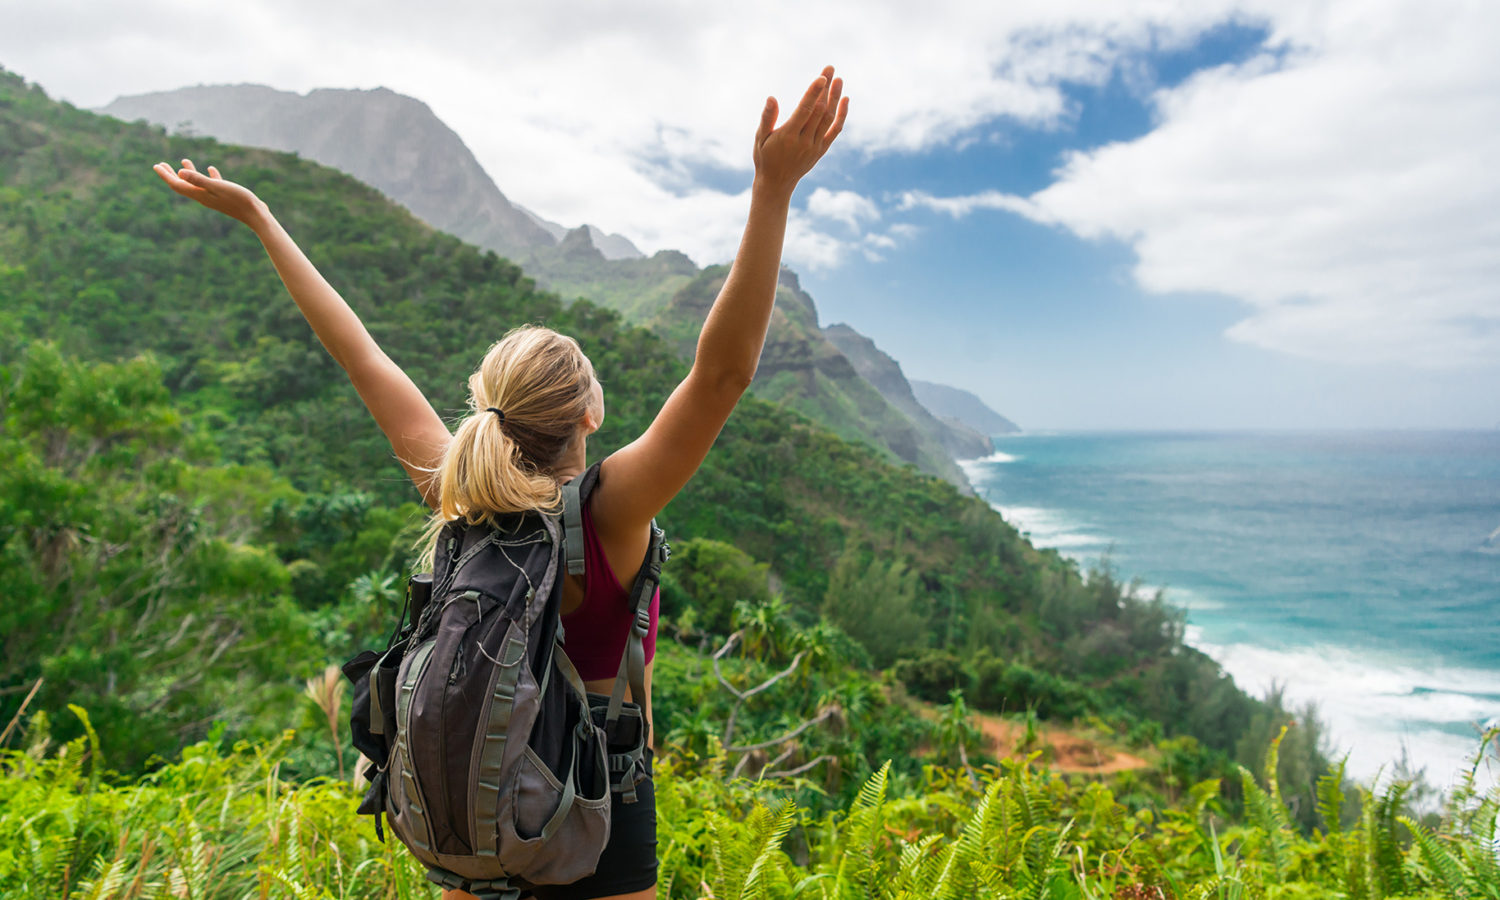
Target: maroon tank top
<point>596,631</point>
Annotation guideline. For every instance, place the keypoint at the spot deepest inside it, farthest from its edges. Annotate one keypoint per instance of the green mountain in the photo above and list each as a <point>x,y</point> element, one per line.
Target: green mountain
<point>877,367</point>
<point>957,405</point>
<point>387,140</point>
<point>803,370</point>
<point>261,467</point>
<point>397,145</point>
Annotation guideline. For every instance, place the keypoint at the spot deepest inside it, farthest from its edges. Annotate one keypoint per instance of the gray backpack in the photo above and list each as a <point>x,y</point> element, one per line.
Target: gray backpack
<point>492,761</point>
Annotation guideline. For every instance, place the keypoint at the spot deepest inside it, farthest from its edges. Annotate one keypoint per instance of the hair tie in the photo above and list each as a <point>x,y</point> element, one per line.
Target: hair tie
<point>498,414</point>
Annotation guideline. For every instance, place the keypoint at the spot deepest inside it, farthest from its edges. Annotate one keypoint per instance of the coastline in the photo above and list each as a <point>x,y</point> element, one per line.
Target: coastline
<point>1384,708</point>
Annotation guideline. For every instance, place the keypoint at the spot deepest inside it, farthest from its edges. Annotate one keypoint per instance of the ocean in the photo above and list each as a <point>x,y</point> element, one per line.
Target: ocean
<point>1359,571</point>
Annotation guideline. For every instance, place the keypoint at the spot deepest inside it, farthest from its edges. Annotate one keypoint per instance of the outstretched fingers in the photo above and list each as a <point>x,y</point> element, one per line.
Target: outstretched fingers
<point>808,108</point>
<point>212,190</point>
<point>191,183</point>
<point>191,175</point>
<point>822,111</point>
<point>175,181</point>
<point>832,109</point>
<point>837,125</point>
<point>767,122</point>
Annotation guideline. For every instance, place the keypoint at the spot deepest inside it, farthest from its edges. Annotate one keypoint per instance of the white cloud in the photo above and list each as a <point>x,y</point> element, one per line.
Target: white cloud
<point>1342,184</point>
<point>842,206</point>
<point>958,207</point>
<point>611,113</point>
<point>1345,188</point>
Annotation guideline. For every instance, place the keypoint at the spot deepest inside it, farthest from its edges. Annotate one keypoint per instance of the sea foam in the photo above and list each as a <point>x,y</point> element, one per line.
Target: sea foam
<point>1375,708</point>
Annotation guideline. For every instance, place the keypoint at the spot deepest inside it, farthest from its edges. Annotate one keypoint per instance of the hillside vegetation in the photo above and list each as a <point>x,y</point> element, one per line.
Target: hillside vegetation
<point>197,519</point>
<point>396,144</point>
<point>106,265</point>
<point>229,824</point>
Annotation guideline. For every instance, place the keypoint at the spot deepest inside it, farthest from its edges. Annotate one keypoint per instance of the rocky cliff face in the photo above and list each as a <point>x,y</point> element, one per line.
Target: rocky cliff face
<point>801,368</point>
<point>390,141</point>
<point>884,373</point>
<point>960,405</point>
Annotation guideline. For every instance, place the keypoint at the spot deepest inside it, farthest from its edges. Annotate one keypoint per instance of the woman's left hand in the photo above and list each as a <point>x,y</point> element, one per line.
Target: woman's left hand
<point>783,155</point>
<point>213,191</point>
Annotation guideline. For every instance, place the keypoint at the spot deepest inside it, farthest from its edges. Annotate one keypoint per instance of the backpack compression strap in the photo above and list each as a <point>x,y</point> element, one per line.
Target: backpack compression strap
<point>633,661</point>
<point>493,889</point>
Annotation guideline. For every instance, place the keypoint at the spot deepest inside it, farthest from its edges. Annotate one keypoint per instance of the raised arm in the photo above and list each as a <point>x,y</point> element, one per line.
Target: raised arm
<point>415,431</point>
<point>639,479</point>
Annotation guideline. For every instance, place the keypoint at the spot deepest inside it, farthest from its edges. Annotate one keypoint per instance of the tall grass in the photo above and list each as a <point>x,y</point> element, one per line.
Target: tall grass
<point>224,823</point>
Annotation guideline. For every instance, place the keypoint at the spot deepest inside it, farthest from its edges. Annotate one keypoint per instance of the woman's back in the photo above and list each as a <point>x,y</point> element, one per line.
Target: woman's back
<point>534,400</point>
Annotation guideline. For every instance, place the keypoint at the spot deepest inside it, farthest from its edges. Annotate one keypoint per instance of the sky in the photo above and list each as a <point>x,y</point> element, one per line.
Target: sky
<point>1152,214</point>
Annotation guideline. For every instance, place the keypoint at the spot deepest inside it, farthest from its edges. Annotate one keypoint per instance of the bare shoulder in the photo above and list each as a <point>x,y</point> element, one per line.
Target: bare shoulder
<point>622,536</point>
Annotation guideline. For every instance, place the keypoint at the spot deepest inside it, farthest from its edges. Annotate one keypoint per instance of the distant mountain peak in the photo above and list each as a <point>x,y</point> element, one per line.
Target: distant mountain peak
<point>881,370</point>
<point>579,244</point>
<point>614,246</point>
<point>957,403</point>
<point>386,139</point>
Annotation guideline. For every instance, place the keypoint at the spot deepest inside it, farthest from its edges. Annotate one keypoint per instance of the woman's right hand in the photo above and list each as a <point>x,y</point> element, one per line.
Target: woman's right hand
<point>783,155</point>
<point>213,191</point>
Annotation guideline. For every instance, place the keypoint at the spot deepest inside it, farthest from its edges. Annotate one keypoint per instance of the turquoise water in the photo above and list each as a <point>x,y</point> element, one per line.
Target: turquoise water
<point>1360,571</point>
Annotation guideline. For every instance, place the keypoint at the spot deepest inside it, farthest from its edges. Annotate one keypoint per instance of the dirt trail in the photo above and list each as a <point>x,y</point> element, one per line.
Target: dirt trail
<point>1070,753</point>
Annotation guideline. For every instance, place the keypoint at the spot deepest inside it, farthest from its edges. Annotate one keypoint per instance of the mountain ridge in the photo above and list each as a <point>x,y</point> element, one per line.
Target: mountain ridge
<point>106,264</point>
<point>880,369</point>
<point>948,402</point>
<point>456,195</point>
<point>453,193</point>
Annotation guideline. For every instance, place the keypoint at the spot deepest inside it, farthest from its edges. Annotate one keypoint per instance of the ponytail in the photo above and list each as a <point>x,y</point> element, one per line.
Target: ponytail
<point>501,462</point>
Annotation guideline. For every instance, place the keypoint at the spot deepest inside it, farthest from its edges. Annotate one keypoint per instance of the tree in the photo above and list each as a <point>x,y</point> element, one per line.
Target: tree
<point>130,585</point>
<point>874,599</point>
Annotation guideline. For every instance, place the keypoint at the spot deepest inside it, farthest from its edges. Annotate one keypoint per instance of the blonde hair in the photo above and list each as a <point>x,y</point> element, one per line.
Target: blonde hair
<point>542,383</point>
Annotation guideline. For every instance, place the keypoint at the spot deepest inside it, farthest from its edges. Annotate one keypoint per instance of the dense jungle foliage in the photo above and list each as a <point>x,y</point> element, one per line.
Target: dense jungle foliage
<point>229,823</point>
<point>197,518</point>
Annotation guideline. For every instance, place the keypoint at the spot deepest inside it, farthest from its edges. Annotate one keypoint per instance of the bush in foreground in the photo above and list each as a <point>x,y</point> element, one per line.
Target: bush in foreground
<point>225,824</point>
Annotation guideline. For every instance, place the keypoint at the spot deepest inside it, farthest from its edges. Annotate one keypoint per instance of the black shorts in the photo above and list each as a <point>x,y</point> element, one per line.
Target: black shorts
<point>628,862</point>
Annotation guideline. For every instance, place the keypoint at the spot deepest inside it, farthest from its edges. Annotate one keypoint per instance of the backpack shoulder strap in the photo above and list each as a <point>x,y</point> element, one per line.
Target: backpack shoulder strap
<point>633,660</point>
<point>575,495</point>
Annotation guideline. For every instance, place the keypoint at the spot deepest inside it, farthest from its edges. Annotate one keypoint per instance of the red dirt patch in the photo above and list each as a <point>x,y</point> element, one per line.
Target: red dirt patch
<point>1070,753</point>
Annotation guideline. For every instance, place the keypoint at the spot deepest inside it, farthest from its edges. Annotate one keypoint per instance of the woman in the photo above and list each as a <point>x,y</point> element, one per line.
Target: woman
<point>535,399</point>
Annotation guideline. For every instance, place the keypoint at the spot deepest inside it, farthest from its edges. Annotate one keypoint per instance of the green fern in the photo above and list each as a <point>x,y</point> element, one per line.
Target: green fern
<point>1043,852</point>
<point>297,887</point>
<point>1331,799</point>
<point>1033,805</point>
<point>964,857</point>
<point>770,851</point>
<point>916,868</point>
<point>1262,811</point>
<point>1385,858</point>
<point>109,879</point>
<point>866,821</point>
<point>1482,848</point>
<point>736,848</point>
<point>1450,874</point>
